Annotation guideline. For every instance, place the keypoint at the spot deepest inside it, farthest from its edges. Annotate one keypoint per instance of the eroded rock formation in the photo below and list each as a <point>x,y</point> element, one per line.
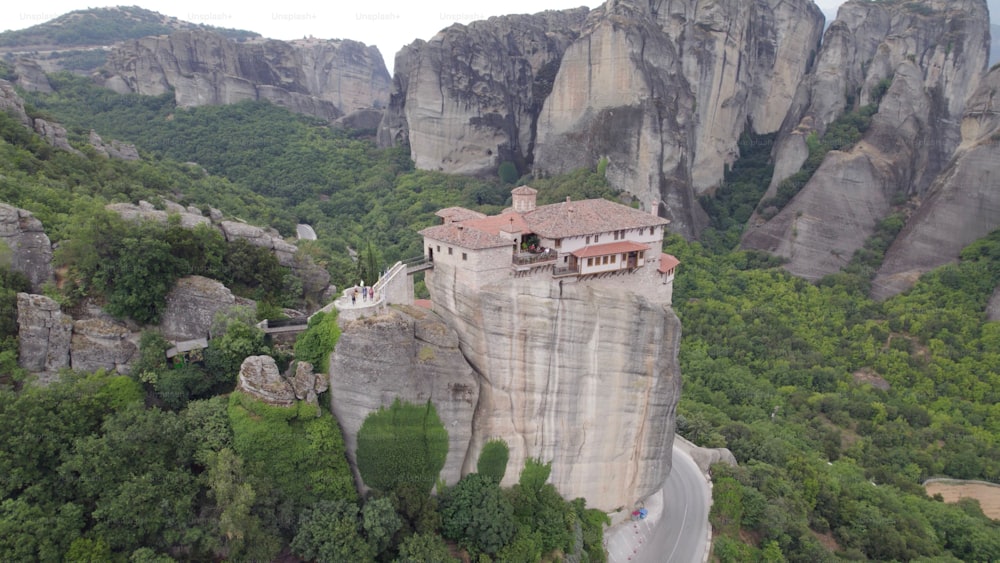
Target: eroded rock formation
<point>469,98</point>
<point>961,206</point>
<point>933,53</point>
<point>410,355</point>
<point>44,334</point>
<point>322,78</point>
<point>663,91</point>
<point>102,344</point>
<point>30,251</point>
<point>582,375</point>
<point>259,377</point>
<point>115,149</point>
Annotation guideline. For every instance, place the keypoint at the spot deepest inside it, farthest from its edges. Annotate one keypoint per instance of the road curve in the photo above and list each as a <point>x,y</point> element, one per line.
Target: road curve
<point>676,530</point>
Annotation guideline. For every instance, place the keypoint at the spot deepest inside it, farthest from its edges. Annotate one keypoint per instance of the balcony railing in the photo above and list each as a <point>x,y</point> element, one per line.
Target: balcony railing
<point>531,258</point>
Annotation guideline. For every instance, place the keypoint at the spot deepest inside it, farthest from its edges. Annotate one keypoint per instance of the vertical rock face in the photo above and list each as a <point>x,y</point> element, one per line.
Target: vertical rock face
<point>325,79</point>
<point>933,52</point>
<point>44,334</point>
<point>30,249</point>
<point>579,374</point>
<point>468,99</point>
<point>663,91</point>
<point>191,306</point>
<point>409,355</point>
<point>961,206</point>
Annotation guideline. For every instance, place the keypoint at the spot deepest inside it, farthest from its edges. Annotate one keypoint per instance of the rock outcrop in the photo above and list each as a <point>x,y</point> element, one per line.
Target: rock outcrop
<point>29,246</point>
<point>961,206</point>
<point>259,377</point>
<point>468,99</point>
<point>934,53</point>
<point>44,334</point>
<point>584,375</point>
<point>322,78</point>
<point>410,355</point>
<point>31,76</point>
<point>102,344</point>
<point>115,149</point>
<point>993,307</point>
<point>191,305</point>
<point>663,92</point>
<point>146,211</point>
<point>53,134</point>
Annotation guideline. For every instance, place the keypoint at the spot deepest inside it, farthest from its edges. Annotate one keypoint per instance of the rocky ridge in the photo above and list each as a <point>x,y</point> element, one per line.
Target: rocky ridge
<point>468,99</point>
<point>664,90</point>
<point>321,78</point>
<point>933,55</point>
<point>961,206</point>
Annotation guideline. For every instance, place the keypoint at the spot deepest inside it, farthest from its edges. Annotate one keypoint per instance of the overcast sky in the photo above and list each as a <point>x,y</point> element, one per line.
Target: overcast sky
<point>388,24</point>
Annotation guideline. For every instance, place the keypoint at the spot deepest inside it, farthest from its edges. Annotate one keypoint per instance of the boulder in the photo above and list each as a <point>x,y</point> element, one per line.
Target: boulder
<point>102,344</point>
<point>44,334</point>
<point>259,377</point>
<point>54,134</point>
<point>30,249</point>
<point>191,306</point>
<point>31,77</point>
<point>145,211</point>
<point>116,149</point>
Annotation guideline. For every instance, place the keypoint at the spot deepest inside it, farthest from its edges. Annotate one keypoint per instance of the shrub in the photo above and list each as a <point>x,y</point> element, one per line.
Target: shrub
<point>492,461</point>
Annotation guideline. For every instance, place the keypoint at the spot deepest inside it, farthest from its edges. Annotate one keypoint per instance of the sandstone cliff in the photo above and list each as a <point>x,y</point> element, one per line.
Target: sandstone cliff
<point>934,53</point>
<point>582,375</point>
<point>469,98</point>
<point>410,354</point>
<point>325,79</point>
<point>44,334</point>
<point>961,206</point>
<point>663,91</point>
<point>28,249</point>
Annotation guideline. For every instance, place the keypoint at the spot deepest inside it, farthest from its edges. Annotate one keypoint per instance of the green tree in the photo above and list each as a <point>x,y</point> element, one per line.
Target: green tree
<point>327,532</point>
<point>424,548</point>
<point>402,444</point>
<point>493,458</point>
<point>234,338</point>
<point>476,513</point>
<point>380,523</point>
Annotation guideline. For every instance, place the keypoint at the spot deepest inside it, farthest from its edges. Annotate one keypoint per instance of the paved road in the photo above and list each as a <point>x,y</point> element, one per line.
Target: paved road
<point>676,530</point>
<point>305,232</point>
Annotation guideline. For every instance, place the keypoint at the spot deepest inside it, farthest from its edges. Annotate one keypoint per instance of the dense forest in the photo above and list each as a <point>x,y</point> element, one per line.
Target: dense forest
<point>837,407</point>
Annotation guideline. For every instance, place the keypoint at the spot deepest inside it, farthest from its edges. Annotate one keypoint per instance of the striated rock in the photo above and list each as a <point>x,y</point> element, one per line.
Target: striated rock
<point>259,378</point>
<point>361,120</point>
<point>44,334</point>
<point>584,375</point>
<point>961,206</point>
<point>933,61</point>
<point>468,99</point>
<point>322,78</point>
<point>191,306</point>
<point>116,149</point>
<point>410,355</point>
<point>663,92</point>
<point>102,344</point>
<point>30,249</point>
<point>31,77</point>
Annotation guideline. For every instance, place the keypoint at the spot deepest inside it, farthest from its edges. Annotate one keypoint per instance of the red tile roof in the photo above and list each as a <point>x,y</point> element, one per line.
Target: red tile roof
<point>609,248</point>
<point>587,217</point>
<point>667,262</point>
<point>459,214</point>
<point>506,222</point>
<point>457,234</point>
